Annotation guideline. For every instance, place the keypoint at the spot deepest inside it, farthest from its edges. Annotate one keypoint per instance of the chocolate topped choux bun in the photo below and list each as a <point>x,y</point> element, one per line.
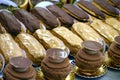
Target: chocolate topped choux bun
<point>19,68</point>
<point>64,18</point>
<point>10,23</point>
<point>90,55</point>
<point>29,20</point>
<point>114,53</point>
<point>46,17</point>
<point>91,9</point>
<point>56,66</point>
<point>76,12</point>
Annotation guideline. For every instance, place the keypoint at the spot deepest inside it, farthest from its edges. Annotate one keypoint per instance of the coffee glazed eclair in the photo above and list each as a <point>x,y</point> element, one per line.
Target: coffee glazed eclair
<point>9,48</point>
<point>30,21</point>
<point>48,40</point>
<point>91,9</point>
<point>34,50</point>
<point>86,32</point>
<point>71,40</point>
<point>76,12</point>
<point>46,17</point>
<point>105,30</point>
<point>64,18</point>
<point>10,23</point>
<point>106,7</point>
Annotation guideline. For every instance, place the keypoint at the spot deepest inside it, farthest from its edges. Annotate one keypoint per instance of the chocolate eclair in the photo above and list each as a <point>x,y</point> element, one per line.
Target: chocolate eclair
<point>10,23</point>
<point>76,12</point>
<point>64,18</point>
<point>106,7</point>
<point>91,9</point>
<point>30,21</point>
<point>114,2</point>
<point>46,17</point>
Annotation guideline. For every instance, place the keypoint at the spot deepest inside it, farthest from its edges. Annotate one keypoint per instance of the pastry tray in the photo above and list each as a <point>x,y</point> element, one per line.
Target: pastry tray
<point>110,75</point>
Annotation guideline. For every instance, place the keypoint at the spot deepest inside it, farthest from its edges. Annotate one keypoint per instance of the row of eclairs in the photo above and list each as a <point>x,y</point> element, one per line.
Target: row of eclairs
<point>55,27</point>
<point>31,34</point>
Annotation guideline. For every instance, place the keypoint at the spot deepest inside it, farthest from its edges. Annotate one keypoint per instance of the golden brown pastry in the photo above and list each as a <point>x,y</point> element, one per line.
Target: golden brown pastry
<point>86,32</point>
<point>34,50</point>
<point>9,48</point>
<point>114,23</point>
<point>70,39</point>
<point>105,30</point>
<point>48,40</point>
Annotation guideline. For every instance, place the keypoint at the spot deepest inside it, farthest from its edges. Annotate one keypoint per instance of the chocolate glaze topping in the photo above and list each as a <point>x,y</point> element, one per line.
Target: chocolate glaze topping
<point>19,68</point>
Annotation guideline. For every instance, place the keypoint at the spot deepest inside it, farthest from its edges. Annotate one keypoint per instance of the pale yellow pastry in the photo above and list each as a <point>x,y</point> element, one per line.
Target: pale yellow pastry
<point>48,40</point>
<point>70,39</point>
<point>105,30</point>
<point>9,48</point>
<point>114,23</point>
<point>34,50</point>
<point>86,32</point>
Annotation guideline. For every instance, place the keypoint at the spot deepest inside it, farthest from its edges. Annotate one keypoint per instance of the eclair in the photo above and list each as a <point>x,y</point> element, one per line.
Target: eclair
<point>75,12</point>
<point>114,23</point>
<point>10,23</point>
<point>48,40</point>
<point>91,9</point>
<point>30,21</point>
<point>46,17</point>
<point>106,7</point>
<point>9,48</point>
<point>114,2</point>
<point>85,32</point>
<point>105,30</point>
<point>34,50</point>
<point>69,38</point>
<point>65,19</point>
